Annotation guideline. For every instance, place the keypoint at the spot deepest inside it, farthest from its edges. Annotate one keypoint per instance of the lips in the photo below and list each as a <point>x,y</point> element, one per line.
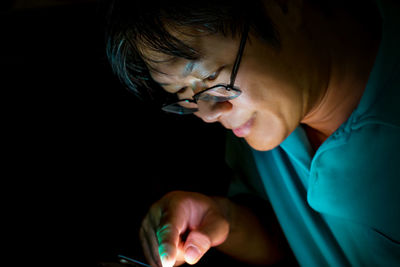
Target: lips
<point>244,129</point>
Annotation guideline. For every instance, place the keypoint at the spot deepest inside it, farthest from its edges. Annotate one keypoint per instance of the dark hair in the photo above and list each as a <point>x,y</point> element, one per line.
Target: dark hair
<point>144,22</point>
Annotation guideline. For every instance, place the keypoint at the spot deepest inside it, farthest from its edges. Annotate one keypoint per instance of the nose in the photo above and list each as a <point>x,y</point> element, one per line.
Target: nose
<point>211,112</point>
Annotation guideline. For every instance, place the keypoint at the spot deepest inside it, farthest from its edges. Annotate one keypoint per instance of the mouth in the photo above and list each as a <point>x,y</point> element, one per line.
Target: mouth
<point>245,128</point>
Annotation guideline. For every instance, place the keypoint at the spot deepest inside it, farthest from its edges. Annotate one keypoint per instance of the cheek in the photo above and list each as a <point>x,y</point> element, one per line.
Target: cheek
<point>264,93</point>
<point>268,131</point>
<point>275,99</point>
<point>255,85</point>
<point>266,79</point>
<point>276,109</point>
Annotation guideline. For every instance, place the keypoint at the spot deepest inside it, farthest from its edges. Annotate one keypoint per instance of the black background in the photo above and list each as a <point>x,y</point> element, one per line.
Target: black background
<point>83,158</point>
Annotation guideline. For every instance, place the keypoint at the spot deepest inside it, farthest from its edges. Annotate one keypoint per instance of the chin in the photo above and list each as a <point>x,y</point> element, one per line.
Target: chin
<point>266,140</point>
<point>261,146</point>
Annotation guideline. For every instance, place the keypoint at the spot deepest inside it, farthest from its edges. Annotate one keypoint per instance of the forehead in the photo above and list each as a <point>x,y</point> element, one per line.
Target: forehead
<point>213,50</point>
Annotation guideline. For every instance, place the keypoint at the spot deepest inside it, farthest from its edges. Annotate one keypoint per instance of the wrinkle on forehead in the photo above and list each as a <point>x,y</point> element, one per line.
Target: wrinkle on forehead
<point>168,73</point>
<point>189,37</point>
<point>169,69</point>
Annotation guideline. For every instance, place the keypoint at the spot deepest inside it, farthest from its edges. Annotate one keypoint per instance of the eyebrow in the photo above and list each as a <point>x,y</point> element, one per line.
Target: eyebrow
<point>186,71</point>
<point>188,68</point>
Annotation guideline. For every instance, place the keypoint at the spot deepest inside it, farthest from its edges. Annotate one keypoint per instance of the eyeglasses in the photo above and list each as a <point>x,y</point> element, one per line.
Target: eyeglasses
<point>215,94</point>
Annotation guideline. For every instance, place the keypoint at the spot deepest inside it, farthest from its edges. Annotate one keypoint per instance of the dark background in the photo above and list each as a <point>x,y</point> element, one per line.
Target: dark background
<point>83,158</point>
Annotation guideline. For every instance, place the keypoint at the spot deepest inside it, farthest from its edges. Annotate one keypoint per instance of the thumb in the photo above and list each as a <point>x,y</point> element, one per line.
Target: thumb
<point>213,232</point>
<point>196,245</point>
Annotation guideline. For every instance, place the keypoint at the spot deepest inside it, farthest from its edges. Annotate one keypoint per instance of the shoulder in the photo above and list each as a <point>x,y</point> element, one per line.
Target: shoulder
<point>360,179</point>
<point>382,93</point>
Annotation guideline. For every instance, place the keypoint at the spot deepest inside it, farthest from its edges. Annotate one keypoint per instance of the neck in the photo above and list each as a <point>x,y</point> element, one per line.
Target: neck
<point>352,56</point>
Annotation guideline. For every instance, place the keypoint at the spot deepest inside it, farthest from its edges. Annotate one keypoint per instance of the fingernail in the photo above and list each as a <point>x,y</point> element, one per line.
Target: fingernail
<point>192,253</point>
<point>165,261</point>
<point>164,252</point>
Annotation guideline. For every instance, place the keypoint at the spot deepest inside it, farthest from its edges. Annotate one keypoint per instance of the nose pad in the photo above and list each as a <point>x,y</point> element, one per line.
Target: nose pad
<point>211,111</point>
<point>198,86</point>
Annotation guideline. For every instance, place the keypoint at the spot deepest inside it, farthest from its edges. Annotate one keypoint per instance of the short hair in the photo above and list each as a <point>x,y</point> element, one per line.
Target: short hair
<point>145,22</point>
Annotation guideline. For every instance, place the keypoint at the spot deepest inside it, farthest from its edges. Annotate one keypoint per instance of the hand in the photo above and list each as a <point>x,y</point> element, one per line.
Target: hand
<point>181,227</point>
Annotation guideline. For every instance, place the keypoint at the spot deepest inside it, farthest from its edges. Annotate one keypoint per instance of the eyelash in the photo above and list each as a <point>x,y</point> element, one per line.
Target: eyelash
<point>215,74</point>
<point>183,89</point>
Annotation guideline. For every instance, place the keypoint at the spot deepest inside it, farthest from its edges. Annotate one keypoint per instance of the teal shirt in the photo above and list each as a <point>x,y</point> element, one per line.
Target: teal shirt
<point>339,206</point>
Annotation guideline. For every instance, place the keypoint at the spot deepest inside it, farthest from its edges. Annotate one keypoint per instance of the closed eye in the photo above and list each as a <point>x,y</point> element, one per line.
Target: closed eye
<point>214,75</point>
<point>211,77</point>
<point>182,90</point>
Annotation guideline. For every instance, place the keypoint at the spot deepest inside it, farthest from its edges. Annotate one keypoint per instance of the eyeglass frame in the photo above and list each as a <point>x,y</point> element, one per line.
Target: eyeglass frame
<point>228,87</point>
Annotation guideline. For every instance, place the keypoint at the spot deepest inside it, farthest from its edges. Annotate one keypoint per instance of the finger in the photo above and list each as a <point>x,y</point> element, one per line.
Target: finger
<point>149,236</point>
<point>150,225</point>
<point>172,224</point>
<point>212,232</point>
<point>168,240</point>
<point>148,249</point>
<point>161,237</point>
<point>196,245</point>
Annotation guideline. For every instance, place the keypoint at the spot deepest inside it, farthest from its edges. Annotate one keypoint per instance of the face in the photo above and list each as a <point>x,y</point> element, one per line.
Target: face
<point>276,90</point>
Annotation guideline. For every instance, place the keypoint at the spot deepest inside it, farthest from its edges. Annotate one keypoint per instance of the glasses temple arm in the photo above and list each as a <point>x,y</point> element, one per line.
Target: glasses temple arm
<point>239,56</point>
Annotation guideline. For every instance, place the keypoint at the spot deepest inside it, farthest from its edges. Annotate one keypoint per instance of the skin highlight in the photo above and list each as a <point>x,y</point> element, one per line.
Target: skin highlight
<point>275,91</point>
<point>316,80</point>
<point>299,84</point>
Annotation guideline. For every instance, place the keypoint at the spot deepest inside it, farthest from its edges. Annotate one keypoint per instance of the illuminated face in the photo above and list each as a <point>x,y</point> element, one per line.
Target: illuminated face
<point>277,85</point>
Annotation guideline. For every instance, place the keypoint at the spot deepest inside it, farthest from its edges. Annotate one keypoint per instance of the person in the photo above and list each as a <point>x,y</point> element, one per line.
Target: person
<point>309,90</point>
